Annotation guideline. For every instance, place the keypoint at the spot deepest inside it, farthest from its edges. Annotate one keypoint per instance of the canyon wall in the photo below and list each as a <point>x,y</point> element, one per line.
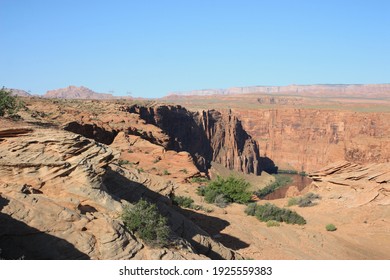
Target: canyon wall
<point>207,135</point>
<point>308,139</point>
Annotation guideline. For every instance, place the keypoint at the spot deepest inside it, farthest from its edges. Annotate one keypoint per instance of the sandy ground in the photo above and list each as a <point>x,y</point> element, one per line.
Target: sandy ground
<point>363,232</point>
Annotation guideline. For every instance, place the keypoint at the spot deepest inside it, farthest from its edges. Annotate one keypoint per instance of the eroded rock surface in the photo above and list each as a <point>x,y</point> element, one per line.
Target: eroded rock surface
<point>58,201</point>
<point>370,182</point>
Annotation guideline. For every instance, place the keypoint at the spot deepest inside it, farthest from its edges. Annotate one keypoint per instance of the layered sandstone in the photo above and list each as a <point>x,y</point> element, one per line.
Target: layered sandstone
<point>305,139</point>
<point>61,198</point>
<point>370,183</point>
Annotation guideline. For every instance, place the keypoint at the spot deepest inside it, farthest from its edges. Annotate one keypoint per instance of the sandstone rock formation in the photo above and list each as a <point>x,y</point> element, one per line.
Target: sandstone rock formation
<point>369,182</point>
<point>309,139</point>
<point>60,198</point>
<point>207,135</point>
<point>100,132</point>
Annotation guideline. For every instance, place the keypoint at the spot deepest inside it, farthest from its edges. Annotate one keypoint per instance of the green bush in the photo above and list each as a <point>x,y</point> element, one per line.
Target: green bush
<point>331,227</point>
<point>268,212</point>
<point>8,104</point>
<point>280,181</point>
<point>232,189</point>
<point>166,172</point>
<point>183,201</point>
<point>292,201</point>
<point>145,221</point>
<point>273,223</point>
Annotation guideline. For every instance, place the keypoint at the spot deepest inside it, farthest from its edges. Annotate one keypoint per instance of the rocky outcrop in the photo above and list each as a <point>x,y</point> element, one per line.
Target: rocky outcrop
<point>60,198</point>
<point>231,145</point>
<point>207,135</point>
<point>370,182</point>
<point>101,133</point>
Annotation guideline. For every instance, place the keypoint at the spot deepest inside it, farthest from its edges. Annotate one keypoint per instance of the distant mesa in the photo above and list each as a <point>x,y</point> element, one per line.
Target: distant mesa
<point>74,92</point>
<point>323,90</point>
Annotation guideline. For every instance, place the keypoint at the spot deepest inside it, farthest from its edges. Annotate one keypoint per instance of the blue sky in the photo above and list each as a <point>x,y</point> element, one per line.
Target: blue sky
<point>151,48</point>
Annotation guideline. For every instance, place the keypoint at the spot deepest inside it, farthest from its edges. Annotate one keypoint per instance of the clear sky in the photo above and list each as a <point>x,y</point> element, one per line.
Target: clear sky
<point>150,48</point>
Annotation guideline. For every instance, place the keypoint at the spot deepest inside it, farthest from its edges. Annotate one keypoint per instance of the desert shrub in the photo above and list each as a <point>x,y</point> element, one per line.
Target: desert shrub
<point>199,180</point>
<point>201,190</point>
<point>185,171</point>
<point>166,172</point>
<point>206,209</point>
<point>123,162</point>
<point>183,201</point>
<point>145,221</point>
<point>8,104</point>
<point>188,202</point>
<point>312,196</point>
<point>233,190</point>
<point>273,223</point>
<point>220,201</point>
<point>268,212</point>
<point>209,195</point>
<point>293,201</point>
<point>330,227</point>
<point>280,181</point>
<point>304,201</point>
<point>251,209</point>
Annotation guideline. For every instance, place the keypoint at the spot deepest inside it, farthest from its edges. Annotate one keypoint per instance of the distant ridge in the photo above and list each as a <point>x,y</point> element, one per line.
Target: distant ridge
<point>74,92</point>
<point>323,90</point>
<point>18,92</point>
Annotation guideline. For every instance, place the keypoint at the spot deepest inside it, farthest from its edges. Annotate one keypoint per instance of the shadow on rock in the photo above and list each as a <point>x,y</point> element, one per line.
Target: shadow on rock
<point>268,165</point>
<point>213,226</point>
<point>19,240</point>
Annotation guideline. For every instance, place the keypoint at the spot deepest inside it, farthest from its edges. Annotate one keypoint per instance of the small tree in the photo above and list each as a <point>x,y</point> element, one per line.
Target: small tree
<point>233,190</point>
<point>8,104</point>
<point>145,220</point>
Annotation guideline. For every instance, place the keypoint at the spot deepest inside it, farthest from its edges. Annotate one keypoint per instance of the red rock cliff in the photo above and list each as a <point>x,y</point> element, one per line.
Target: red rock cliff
<point>207,135</point>
<point>308,139</point>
